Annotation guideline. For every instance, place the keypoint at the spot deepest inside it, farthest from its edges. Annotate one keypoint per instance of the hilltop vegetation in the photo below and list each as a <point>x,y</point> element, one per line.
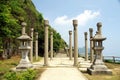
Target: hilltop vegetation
<point>12,14</point>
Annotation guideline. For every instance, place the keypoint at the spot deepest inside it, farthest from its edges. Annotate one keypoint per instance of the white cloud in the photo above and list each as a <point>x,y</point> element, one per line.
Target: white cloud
<point>62,20</point>
<point>82,18</point>
<point>64,23</point>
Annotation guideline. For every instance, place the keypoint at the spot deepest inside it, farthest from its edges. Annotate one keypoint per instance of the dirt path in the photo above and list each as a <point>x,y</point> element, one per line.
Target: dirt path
<point>61,68</point>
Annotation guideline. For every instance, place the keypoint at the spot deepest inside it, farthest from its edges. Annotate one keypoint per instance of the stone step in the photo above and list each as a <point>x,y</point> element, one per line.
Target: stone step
<point>83,69</point>
<point>84,66</point>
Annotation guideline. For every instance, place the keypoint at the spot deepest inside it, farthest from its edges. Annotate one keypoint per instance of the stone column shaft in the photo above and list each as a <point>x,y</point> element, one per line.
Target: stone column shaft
<point>51,45</point>
<point>91,45</point>
<point>36,46</point>
<point>46,23</point>
<point>31,44</point>
<point>86,47</point>
<point>70,45</point>
<point>75,24</point>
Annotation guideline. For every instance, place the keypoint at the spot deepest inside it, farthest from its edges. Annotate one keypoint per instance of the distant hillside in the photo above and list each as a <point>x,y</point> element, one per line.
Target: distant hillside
<point>12,14</point>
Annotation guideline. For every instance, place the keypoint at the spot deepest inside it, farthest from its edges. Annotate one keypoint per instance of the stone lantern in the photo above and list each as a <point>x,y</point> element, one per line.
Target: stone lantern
<point>25,48</point>
<point>98,66</point>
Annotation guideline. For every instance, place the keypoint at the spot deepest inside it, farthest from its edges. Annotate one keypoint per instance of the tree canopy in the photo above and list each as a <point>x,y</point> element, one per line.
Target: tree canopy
<point>13,13</point>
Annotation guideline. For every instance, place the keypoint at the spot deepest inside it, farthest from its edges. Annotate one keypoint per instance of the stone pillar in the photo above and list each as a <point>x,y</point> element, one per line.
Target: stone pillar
<point>91,45</point>
<point>75,24</point>
<point>31,44</point>
<point>46,24</point>
<point>86,47</point>
<point>36,46</point>
<point>51,45</point>
<point>23,27</point>
<point>70,45</point>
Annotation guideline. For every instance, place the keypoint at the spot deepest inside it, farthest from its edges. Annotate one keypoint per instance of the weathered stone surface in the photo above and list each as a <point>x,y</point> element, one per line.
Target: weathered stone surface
<point>98,66</point>
<point>86,47</point>
<point>75,24</point>
<point>46,24</point>
<point>91,45</point>
<point>51,45</point>
<point>70,45</point>
<point>24,47</point>
<point>36,46</point>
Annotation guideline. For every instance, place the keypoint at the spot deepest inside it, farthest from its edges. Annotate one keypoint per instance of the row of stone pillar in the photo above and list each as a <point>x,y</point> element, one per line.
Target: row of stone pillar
<point>46,24</point>
<point>75,24</point>
<point>91,45</point>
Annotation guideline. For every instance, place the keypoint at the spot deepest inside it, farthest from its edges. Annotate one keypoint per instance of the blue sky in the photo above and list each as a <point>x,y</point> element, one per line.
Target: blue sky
<point>60,14</point>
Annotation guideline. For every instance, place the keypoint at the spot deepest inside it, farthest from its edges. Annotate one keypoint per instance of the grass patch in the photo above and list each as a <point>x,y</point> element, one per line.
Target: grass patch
<point>6,65</point>
<point>39,58</point>
<point>115,76</point>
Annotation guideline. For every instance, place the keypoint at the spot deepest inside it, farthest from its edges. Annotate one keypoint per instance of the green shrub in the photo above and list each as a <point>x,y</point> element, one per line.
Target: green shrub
<point>10,76</point>
<point>23,75</point>
<point>110,61</point>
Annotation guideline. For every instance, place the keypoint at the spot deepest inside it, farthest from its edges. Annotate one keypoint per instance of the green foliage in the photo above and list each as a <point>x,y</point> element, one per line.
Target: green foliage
<point>58,42</point>
<point>13,13</point>
<point>23,75</point>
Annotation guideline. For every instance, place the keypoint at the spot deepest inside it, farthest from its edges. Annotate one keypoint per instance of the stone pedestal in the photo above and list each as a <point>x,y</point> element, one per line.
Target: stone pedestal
<point>91,45</point>
<point>31,44</point>
<point>75,24</point>
<point>86,47</point>
<point>24,47</point>
<point>24,62</point>
<point>46,24</point>
<point>98,66</point>
<point>51,45</point>
<point>36,46</point>
<point>70,45</point>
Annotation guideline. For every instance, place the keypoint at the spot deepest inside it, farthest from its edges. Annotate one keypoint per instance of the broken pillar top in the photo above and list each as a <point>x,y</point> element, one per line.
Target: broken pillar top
<point>36,33</point>
<point>23,24</point>
<point>75,23</point>
<point>91,29</point>
<point>46,22</point>
<point>70,32</point>
<point>32,29</point>
<point>85,33</point>
<point>51,33</point>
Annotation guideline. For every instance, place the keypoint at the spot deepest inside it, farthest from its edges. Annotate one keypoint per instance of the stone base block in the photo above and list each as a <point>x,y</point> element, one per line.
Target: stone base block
<point>96,72</point>
<point>23,65</point>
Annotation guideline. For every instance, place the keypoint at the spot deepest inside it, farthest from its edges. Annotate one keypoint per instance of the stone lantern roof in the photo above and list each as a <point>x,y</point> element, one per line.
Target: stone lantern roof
<point>24,37</point>
<point>98,37</point>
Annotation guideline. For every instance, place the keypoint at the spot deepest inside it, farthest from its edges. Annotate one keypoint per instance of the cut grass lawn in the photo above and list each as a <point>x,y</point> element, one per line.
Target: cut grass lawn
<point>115,76</point>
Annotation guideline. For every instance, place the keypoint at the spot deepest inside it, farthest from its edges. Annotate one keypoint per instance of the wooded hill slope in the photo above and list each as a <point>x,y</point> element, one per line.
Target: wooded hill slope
<point>12,14</point>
